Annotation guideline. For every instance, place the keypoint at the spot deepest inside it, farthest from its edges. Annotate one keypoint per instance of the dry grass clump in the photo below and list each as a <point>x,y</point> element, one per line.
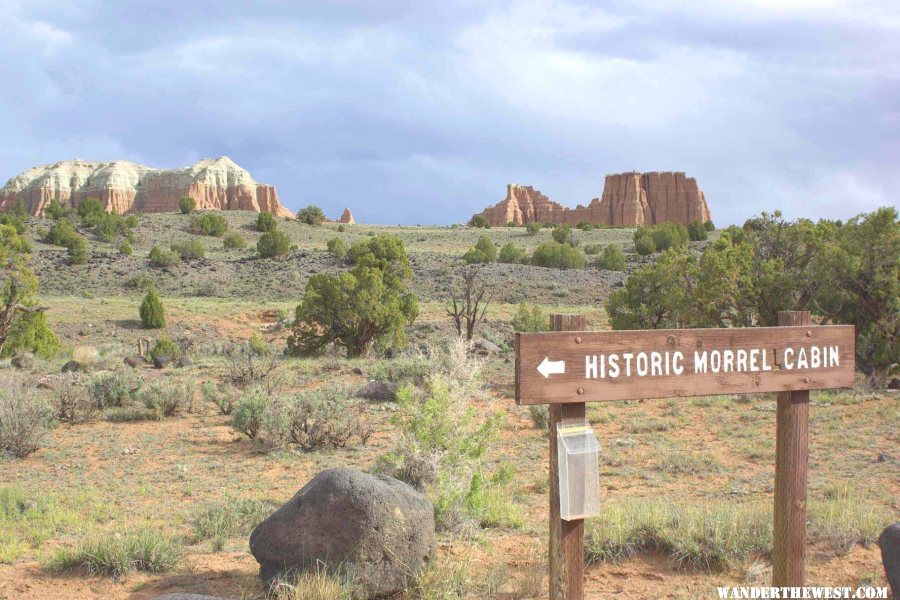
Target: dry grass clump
<point>232,518</point>
<point>25,417</point>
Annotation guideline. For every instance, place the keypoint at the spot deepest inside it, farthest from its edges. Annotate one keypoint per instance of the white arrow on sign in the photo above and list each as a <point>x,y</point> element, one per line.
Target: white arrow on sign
<point>551,367</point>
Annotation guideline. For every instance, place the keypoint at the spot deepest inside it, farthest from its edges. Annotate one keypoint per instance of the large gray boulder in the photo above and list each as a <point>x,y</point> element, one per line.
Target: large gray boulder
<point>376,530</point>
<point>889,542</point>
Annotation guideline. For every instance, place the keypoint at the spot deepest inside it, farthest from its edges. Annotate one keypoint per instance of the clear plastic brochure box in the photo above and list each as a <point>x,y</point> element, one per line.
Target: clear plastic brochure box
<point>579,470</point>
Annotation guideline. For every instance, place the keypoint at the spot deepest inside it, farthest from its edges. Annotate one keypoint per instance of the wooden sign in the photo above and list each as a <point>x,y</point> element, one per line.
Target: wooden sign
<point>564,367</point>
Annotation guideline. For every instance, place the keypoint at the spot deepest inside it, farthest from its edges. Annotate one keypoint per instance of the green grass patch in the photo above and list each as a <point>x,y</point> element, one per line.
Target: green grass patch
<point>233,518</point>
<point>118,553</point>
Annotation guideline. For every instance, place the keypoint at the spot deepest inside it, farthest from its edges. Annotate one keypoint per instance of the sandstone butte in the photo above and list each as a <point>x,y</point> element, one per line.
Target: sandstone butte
<point>347,217</point>
<point>123,187</point>
<point>628,199</point>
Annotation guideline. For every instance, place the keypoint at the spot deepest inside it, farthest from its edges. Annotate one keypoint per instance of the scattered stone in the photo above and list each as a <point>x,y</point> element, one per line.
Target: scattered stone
<point>135,361</point>
<point>375,529</point>
<point>24,360</point>
<point>882,458</point>
<point>357,371</point>
<point>894,384</point>
<point>73,366</point>
<point>161,362</point>
<point>485,347</point>
<point>889,542</point>
<point>185,361</point>
<point>382,391</point>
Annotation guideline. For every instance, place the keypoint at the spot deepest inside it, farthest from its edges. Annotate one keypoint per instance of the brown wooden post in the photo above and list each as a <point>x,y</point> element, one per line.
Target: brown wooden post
<point>791,462</point>
<point>566,537</point>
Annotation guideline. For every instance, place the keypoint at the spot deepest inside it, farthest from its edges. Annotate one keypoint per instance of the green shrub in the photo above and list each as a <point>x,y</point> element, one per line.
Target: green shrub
<point>187,205</point>
<point>223,397</point>
<point>668,235</point>
<point>530,318</point>
<point>612,259</point>
<point>365,307</point>
<point>265,221</point>
<point>510,253</point>
<point>163,258</point>
<point>61,234</point>
<point>273,243</point>
<point>250,412</point>
<point>557,255</point>
<point>189,249</point>
<point>337,247</point>
<point>31,332</point>
<point>314,420</point>
<point>165,347</point>
<point>341,228</point>
<point>697,231</point>
<point>125,249</point>
<point>592,249</point>
<point>232,518</point>
<point>153,315</point>
<point>89,211</point>
<point>13,221</point>
<point>78,251</point>
<point>234,241</point>
<point>644,245</point>
<point>109,226</point>
<point>533,228</point>
<point>562,234</point>
<point>585,226</point>
<point>479,221</point>
<point>120,553</point>
<point>484,251</point>
<point>114,389</point>
<point>56,211</point>
<point>709,226</point>
<point>167,399</point>
<point>25,418</point>
<point>311,215</point>
<point>209,224</point>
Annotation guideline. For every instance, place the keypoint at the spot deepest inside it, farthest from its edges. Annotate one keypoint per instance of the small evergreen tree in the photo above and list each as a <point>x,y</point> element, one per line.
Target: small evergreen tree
<point>125,248</point>
<point>265,221</point>
<point>697,231</point>
<point>557,255</point>
<point>234,240</point>
<point>510,253</point>
<point>187,205</point>
<point>479,221</point>
<point>153,315</point>
<point>484,251</point>
<point>273,243</point>
<point>311,215</point>
<point>533,228</point>
<point>612,259</point>
<point>337,247</point>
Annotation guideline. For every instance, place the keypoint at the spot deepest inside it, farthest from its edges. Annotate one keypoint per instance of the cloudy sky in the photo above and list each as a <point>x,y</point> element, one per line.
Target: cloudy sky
<point>422,112</point>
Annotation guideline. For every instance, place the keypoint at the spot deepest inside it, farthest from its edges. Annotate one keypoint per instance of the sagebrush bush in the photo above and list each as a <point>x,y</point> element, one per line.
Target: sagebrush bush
<point>403,369</point>
<point>224,397</point>
<point>125,249</point>
<point>168,399</point>
<point>152,313</point>
<point>114,388</point>
<point>163,258</point>
<point>25,418</point>
<point>234,241</point>
<point>209,224</point>
<point>562,234</point>
<point>533,228</point>
<point>189,249</point>
<point>250,411</point>
<point>558,256</point>
<point>315,419</point>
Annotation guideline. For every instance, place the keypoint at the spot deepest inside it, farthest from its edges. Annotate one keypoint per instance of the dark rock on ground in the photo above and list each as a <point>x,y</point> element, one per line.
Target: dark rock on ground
<point>185,361</point>
<point>161,362</point>
<point>135,361</point>
<point>894,384</point>
<point>889,542</point>
<point>382,391</point>
<point>73,366</point>
<point>25,360</point>
<point>375,529</point>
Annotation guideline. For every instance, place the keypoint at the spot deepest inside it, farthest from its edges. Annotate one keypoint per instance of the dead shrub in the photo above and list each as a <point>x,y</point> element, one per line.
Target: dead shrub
<point>25,418</point>
<point>73,403</point>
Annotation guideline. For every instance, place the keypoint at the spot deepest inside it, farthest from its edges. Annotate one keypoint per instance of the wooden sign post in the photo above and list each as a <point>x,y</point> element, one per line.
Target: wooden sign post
<point>567,367</point>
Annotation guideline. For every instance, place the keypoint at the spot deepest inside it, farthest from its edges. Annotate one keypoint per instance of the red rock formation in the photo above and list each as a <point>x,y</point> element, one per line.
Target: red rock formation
<point>628,199</point>
<point>123,186</point>
<point>347,217</point>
